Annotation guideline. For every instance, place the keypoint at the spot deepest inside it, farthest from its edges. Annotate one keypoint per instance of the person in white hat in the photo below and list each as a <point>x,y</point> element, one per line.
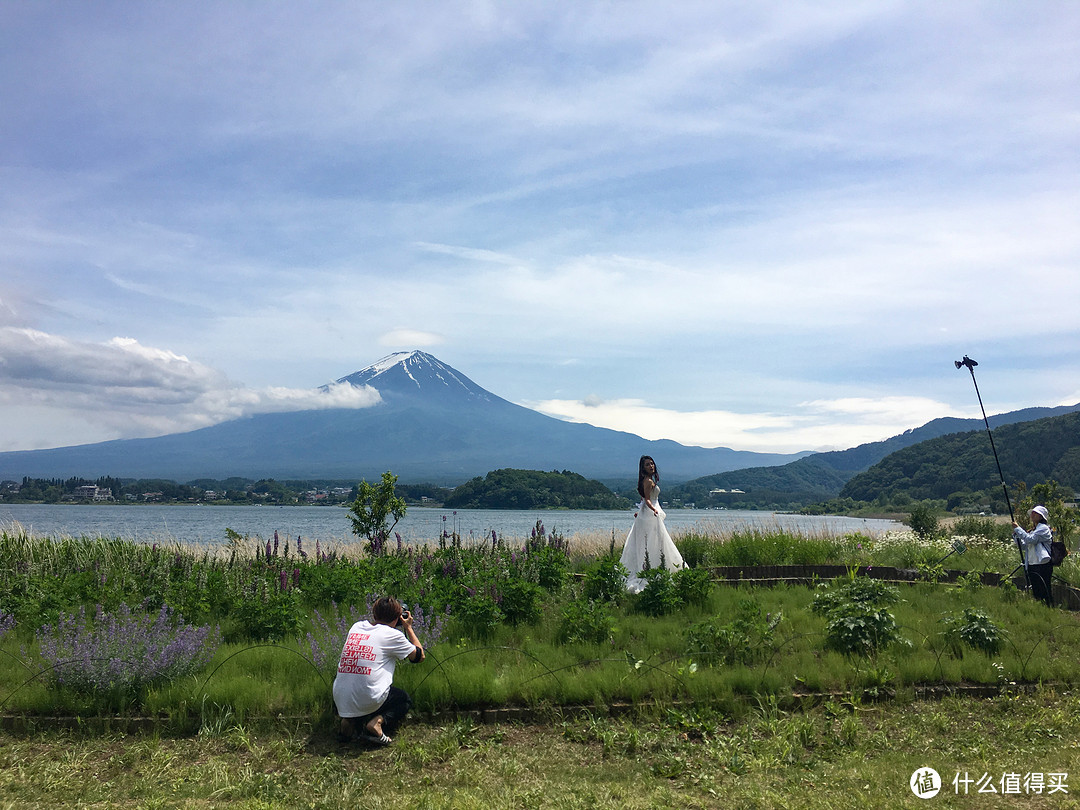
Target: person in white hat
<point>1036,546</point>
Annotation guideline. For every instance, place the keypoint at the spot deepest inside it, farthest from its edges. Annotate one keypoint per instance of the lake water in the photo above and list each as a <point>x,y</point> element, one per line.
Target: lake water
<point>205,525</point>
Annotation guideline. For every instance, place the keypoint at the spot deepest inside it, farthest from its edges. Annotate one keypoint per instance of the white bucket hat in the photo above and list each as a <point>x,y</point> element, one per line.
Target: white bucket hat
<point>1041,511</point>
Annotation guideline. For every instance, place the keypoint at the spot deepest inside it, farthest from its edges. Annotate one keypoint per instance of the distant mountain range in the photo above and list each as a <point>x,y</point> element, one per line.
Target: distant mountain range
<point>960,465</point>
<point>822,476</point>
<point>433,424</point>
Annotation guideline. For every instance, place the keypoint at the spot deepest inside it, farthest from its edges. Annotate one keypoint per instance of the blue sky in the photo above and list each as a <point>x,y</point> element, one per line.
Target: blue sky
<point>766,226</point>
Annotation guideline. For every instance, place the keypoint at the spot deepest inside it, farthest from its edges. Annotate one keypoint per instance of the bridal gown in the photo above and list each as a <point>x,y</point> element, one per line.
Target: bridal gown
<point>648,534</point>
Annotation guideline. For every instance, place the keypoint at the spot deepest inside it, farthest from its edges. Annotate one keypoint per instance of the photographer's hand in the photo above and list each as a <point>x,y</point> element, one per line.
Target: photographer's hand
<point>410,634</point>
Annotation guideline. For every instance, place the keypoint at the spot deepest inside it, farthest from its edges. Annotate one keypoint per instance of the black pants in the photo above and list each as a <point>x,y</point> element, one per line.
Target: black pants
<point>1039,577</point>
<point>393,711</point>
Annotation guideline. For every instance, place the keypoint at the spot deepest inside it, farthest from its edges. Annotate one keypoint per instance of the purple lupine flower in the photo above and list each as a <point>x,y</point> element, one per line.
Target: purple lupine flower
<point>283,580</point>
<point>275,542</point>
<point>267,549</point>
<point>494,539</point>
<point>296,577</point>
<point>123,650</point>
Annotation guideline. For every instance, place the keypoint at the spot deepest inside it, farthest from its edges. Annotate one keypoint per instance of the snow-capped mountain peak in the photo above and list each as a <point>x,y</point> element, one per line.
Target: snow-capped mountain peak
<point>417,372</point>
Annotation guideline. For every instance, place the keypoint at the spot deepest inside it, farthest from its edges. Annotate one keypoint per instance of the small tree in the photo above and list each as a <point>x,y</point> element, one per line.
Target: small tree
<point>923,521</point>
<point>372,510</point>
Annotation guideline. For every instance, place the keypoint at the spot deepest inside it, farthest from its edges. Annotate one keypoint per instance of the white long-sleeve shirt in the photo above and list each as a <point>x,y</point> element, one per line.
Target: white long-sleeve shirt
<point>1036,544</point>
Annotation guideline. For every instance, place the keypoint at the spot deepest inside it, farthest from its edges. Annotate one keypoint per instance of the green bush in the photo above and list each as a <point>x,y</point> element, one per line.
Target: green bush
<point>695,549</point>
<point>693,586</point>
<point>660,596</point>
<point>857,630</point>
<point>744,640</point>
<point>605,580</point>
<point>477,615</point>
<point>977,526</point>
<point>585,621</point>
<point>975,629</point>
<point>331,581</point>
<point>551,564</point>
<point>923,521</point>
<point>864,591</point>
<point>269,613</point>
<point>858,623</point>
<point>520,602</point>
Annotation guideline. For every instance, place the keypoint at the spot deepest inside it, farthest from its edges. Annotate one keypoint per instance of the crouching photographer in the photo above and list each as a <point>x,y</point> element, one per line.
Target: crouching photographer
<point>369,705</point>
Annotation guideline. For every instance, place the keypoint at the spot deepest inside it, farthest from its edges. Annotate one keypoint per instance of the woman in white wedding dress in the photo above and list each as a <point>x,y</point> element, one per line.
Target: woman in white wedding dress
<point>648,534</point>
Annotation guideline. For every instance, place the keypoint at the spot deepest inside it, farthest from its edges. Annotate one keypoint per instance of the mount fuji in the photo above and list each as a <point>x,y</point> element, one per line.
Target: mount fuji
<point>433,424</point>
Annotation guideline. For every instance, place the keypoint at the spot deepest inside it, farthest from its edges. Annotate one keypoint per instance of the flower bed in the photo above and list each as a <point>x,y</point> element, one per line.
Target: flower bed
<point>529,624</point>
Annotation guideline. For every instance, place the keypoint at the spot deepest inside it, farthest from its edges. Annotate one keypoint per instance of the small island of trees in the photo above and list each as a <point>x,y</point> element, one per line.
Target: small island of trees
<point>531,489</point>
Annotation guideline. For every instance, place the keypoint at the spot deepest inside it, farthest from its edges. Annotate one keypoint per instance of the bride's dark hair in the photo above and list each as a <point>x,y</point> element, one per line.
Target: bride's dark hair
<point>642,475</point>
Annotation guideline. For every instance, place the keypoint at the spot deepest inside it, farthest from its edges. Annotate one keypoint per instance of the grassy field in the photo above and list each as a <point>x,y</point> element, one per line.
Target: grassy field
<point>833,755</point>
<point>730,693</point>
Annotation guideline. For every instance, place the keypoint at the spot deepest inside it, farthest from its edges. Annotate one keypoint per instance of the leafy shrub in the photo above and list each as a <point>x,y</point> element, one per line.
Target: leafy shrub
<point>605,580</point>
<point>923,521</point>
<point>976,526</point>
<point>123,651</point>
<point>332,581</point>
<point>870,593</point>
<point>858,622</point>
<point>857,630</point>
<point>585,621</point>
<point>975,629</point>
<point>477,614</point>
<point>660,596</point>
<point>744,640</point>
<point>931,571</point>
<point>520,602</point>
<point>692,586</point>
<point>268,613</point>
<point>969,582</point>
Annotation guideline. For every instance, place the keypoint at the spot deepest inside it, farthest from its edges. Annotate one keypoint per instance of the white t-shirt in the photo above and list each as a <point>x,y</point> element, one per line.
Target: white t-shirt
<point>366,667</point>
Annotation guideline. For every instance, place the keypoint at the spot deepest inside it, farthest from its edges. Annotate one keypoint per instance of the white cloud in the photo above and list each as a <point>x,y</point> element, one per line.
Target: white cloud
<point>818,425</point>
<point>410,338</point>
<point>122,389</point>
<point>562,194</point>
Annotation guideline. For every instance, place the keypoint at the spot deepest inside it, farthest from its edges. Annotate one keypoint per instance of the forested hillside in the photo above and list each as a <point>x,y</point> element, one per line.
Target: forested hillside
<point>804,481</point>
<point>960,469</point>
<point>822,476</point>
<point>531,489</point>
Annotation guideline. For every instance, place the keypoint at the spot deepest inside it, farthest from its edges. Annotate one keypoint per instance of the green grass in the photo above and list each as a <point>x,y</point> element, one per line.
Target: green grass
<point>835,754</point>
<point>647,659</point>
